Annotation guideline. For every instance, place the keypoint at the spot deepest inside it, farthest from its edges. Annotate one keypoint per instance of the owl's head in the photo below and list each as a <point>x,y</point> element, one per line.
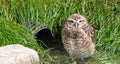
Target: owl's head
<point>76,20</point>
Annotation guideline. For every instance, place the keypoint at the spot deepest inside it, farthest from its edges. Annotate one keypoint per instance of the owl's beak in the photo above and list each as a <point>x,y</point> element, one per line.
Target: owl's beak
<point>75,25</point>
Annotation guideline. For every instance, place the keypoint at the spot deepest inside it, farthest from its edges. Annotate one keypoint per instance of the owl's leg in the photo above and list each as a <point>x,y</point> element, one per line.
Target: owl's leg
<point>81,61</point>
<point>73,58</point>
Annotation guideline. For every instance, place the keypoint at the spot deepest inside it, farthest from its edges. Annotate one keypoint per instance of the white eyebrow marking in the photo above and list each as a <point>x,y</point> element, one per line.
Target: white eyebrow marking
<point>72,19</point>
<point>80,20</point>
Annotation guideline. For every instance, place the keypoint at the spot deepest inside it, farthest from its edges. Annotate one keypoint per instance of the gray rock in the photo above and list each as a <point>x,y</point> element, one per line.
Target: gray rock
<point>18,54</point>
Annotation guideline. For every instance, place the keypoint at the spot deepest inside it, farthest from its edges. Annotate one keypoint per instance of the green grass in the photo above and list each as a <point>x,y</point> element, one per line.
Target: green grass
<point>13,33</point>
<point>103,15</point>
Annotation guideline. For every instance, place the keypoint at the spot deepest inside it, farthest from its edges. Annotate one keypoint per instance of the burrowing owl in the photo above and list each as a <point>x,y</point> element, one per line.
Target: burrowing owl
<point>78,37</point>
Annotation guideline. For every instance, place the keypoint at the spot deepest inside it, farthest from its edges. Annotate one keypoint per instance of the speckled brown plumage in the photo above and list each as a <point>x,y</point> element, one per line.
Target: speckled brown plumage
<point>78,37</point>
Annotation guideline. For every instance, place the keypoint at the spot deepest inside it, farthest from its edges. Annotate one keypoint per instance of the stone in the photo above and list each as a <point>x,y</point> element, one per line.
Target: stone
<point>18,54</point>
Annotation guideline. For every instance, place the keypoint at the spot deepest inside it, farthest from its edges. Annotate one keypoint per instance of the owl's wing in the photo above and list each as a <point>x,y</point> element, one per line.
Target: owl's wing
<point>90,31</point>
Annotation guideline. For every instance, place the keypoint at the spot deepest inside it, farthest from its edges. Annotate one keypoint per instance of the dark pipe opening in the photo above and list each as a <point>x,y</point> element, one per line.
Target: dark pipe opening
<point>47,40</point>
<point>44,37</point>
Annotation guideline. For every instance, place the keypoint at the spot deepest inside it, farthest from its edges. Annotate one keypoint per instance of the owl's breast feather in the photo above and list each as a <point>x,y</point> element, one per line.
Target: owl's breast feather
<point>75,34</point>
<point>71,33</point>
<point>66,32</point>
